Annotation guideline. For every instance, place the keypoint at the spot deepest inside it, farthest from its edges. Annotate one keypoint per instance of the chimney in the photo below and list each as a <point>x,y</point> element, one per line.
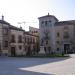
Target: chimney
<point>2,17</point>
<point>48,14</point>
<point>20,27</point>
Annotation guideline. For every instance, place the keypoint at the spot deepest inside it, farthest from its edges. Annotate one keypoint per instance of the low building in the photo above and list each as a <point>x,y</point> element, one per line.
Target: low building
<point>15,41</point>
<point>34,31</point>
<point>31,43</point>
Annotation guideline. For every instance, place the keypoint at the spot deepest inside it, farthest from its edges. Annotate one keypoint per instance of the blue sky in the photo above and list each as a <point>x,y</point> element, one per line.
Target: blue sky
<point>28,11</point>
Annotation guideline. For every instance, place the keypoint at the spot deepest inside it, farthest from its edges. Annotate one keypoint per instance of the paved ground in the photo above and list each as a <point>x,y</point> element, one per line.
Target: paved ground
<point>37,66</point>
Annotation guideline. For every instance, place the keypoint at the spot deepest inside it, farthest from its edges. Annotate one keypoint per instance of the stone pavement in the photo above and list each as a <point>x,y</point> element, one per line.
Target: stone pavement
<point>65,67</point>
<point>37,66</point>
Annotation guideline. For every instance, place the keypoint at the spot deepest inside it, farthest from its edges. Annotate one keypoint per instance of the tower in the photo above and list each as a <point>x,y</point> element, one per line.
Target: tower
<point>47,33</point>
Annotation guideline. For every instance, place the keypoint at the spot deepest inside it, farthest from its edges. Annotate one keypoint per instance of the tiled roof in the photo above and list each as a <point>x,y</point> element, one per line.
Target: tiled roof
<point>4,22</point>
<point>10,26</point>
<point>28,33</point>
<point>48,16</point>
<point>15,28</point>
<point>60,23</point>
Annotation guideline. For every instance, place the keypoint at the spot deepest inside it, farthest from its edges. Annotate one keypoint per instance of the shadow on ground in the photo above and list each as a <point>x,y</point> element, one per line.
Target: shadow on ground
<point>10,65</point>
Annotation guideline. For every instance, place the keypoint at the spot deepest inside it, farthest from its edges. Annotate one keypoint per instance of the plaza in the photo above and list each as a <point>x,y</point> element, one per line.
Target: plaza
<point>37,66</point>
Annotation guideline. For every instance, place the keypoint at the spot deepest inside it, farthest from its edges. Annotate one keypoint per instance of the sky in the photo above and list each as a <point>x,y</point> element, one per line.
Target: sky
<point>25,13</point>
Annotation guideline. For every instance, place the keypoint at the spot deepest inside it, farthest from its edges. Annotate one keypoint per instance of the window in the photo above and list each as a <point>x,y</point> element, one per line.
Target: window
<point>25,39</point>
<point>5,43</point>
<point>33,40</point>
<point>66,27</point>
<point>45,23</point>
<point>28,40</point>
<point>49,21</point>
<point>20,47</point>
<point>5,31</point>
<point>13,38</point>
<point>20,39</point>
<point>66,35</point>
<point>57,42</point>
<point>57,49</point>
<point>35,31</point>
<point>42,22</point>
<point>58,34</point>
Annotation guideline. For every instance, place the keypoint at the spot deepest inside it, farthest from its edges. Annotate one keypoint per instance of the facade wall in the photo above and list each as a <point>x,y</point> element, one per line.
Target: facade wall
<point>34,31</point>
<point>30,44</point>
<point>16,44</point>
<point>61,30</point>
<point>60,35</point>
<point>47,33</point>
<point>1,38</point>
<point>15,41</point>
<point>4,37</point>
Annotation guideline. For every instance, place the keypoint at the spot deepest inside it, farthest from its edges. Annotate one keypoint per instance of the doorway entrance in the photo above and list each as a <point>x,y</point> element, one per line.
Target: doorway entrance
<point>66,48</point>
<point>0,50</point>
<point>13,51</point>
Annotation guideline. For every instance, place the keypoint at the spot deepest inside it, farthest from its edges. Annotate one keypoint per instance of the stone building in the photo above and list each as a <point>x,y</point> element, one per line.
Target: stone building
<point>56,36</point>
<point>31,43</point>
<point>34,31</point>
<point>15,41</point>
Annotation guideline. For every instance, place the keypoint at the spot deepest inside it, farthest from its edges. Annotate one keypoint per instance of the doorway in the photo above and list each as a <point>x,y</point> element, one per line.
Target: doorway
<point>13,51</point>
<point>66,48</point>
<point>0,49</point>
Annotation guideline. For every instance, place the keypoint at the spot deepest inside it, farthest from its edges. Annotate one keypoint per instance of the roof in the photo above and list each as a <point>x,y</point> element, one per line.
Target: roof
<point>4,22</point>
<point>48,16</point>
<point>10,26</point>
<point>15,28</point>
<point>27,32</point>
<point>69,22</point>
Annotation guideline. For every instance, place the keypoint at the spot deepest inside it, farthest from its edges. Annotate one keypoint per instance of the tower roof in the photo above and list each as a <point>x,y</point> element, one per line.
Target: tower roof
<point>48,16</point>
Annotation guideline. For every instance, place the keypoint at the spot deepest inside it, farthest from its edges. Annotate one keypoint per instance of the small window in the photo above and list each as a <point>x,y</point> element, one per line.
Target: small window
<point>57,49</point>
<point>45,23</point>
<point>36,32</point>
<point>13,38</point>
<point>66,27</point>
<point>58,34</point>
<point>57,42</point>
<point>5,43</point>
<point>20,47</point>
<point>42,22</point>
<point>5,31</point>
<point>49,21</point>
<point>66,35</point>
<point>25,39</point>
<point>20,39</point>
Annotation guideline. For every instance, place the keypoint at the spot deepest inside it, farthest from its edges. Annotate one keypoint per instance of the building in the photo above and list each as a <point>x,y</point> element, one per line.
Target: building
<point>4,36</point>
<point>31,43</point>
<point>15,41</point>
<point>34,31</point>
<point>16,44</point>
<point>56,36</point>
